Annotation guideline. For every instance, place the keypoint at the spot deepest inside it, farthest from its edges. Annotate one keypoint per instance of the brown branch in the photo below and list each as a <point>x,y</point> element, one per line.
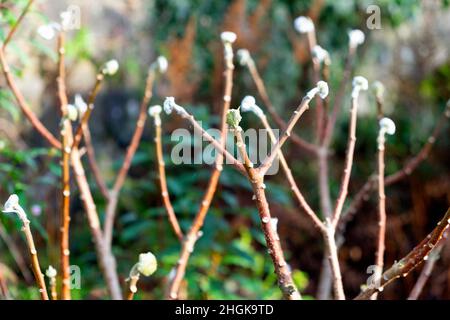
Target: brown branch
<point>90,151</point>
<point>275,250</point>
<point>85,118</point>
<point>194,231</point>
<point>348,163</point>
<point>66,142</point>
<point>339,100</point>
<point>267,162</point>
<point>428,268</point>
<point>261,88</point>
<point>132,148</point>
<point>407,169</point>
<point>16,254</point>
<point>162,180</point>
<point>291,180</point>
<point>23,105</point>
<point>16,25</point>
<point>379,255</point>
<point>403,267</point>
<point>104,255</point>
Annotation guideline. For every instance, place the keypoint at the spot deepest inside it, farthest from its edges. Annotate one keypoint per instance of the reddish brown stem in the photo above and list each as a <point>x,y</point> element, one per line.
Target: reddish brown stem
<point>34,120</point>
<point>275,250</point>
<point>416,256</point>
<point>66,141</point>
<point>261,88</point>
<point>348,163</point>
<point>163,184</point>
<point>16,25</point>
<point>132,148</point>
<point>193,233</point>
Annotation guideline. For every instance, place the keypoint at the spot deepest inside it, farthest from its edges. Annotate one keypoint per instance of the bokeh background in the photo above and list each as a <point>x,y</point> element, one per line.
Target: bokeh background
<point>410,55</point>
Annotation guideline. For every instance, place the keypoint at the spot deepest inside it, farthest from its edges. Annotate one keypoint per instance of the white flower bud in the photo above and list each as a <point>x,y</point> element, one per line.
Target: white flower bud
<point>228,37</point>
<point>170,105</point>
<point>11,204</point>
<point>243,56</point>
<point>321,54</point>
<point>51,272</point>
<point>249,104</point>
<point>80,105</point>
<point>356,38</point>
<point>323,89</point>
<point>72,112</point>
<point>48,31</point>
<point>147,264</point>
<point>304,24</point>
<point>155,111</point>
<point>387,125</point>
<point>378,89</point>
<point>359,83</point>
<point>161,64</point>
<point>110,68</point>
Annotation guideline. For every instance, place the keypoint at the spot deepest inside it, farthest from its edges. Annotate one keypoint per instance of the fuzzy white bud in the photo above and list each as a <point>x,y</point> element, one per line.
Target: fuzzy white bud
<point>228,37</point>
<point>80,105</point>
<point>321,89</point>
<point>161,64</point>
<point>170,105</point>
<point>321,54</point>
<point>359,83</point>
<point>48,31</point>
<point>304,24</point>
<point>378,89</point>
<point>356,37</point>
<point>387,125</point>
<point>243,56</point>
<point>51,272</point>
<point>72,112</point>
<point>147,264</point>
<point>111,67</point>
<point>155,111</point>
<point>11,204</point>
<point>249,104</point>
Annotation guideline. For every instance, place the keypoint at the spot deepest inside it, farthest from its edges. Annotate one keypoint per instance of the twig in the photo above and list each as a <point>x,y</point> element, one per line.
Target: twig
<point>359,84</point>
<point>85,118</point>
<point>428,268</point>
<point>105,257</point>
<point>37,124</point>
<point>132,148</point>
<point>303,106</point>
<point>247,60</point>
<point>66,141</point>
<point>12,206</point>
<point>407,169</point>
<point>16,25</point>
<point>386,126</point>
<point>51,275</point>
<point>193,234</point>
<point>282,270</point>
<point>154,112</point>
<point>410,261</point>
<point>16,254</point>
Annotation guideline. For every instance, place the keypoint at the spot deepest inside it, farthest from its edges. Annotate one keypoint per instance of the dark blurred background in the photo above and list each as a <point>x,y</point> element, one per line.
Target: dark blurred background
<point>409,55</point>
